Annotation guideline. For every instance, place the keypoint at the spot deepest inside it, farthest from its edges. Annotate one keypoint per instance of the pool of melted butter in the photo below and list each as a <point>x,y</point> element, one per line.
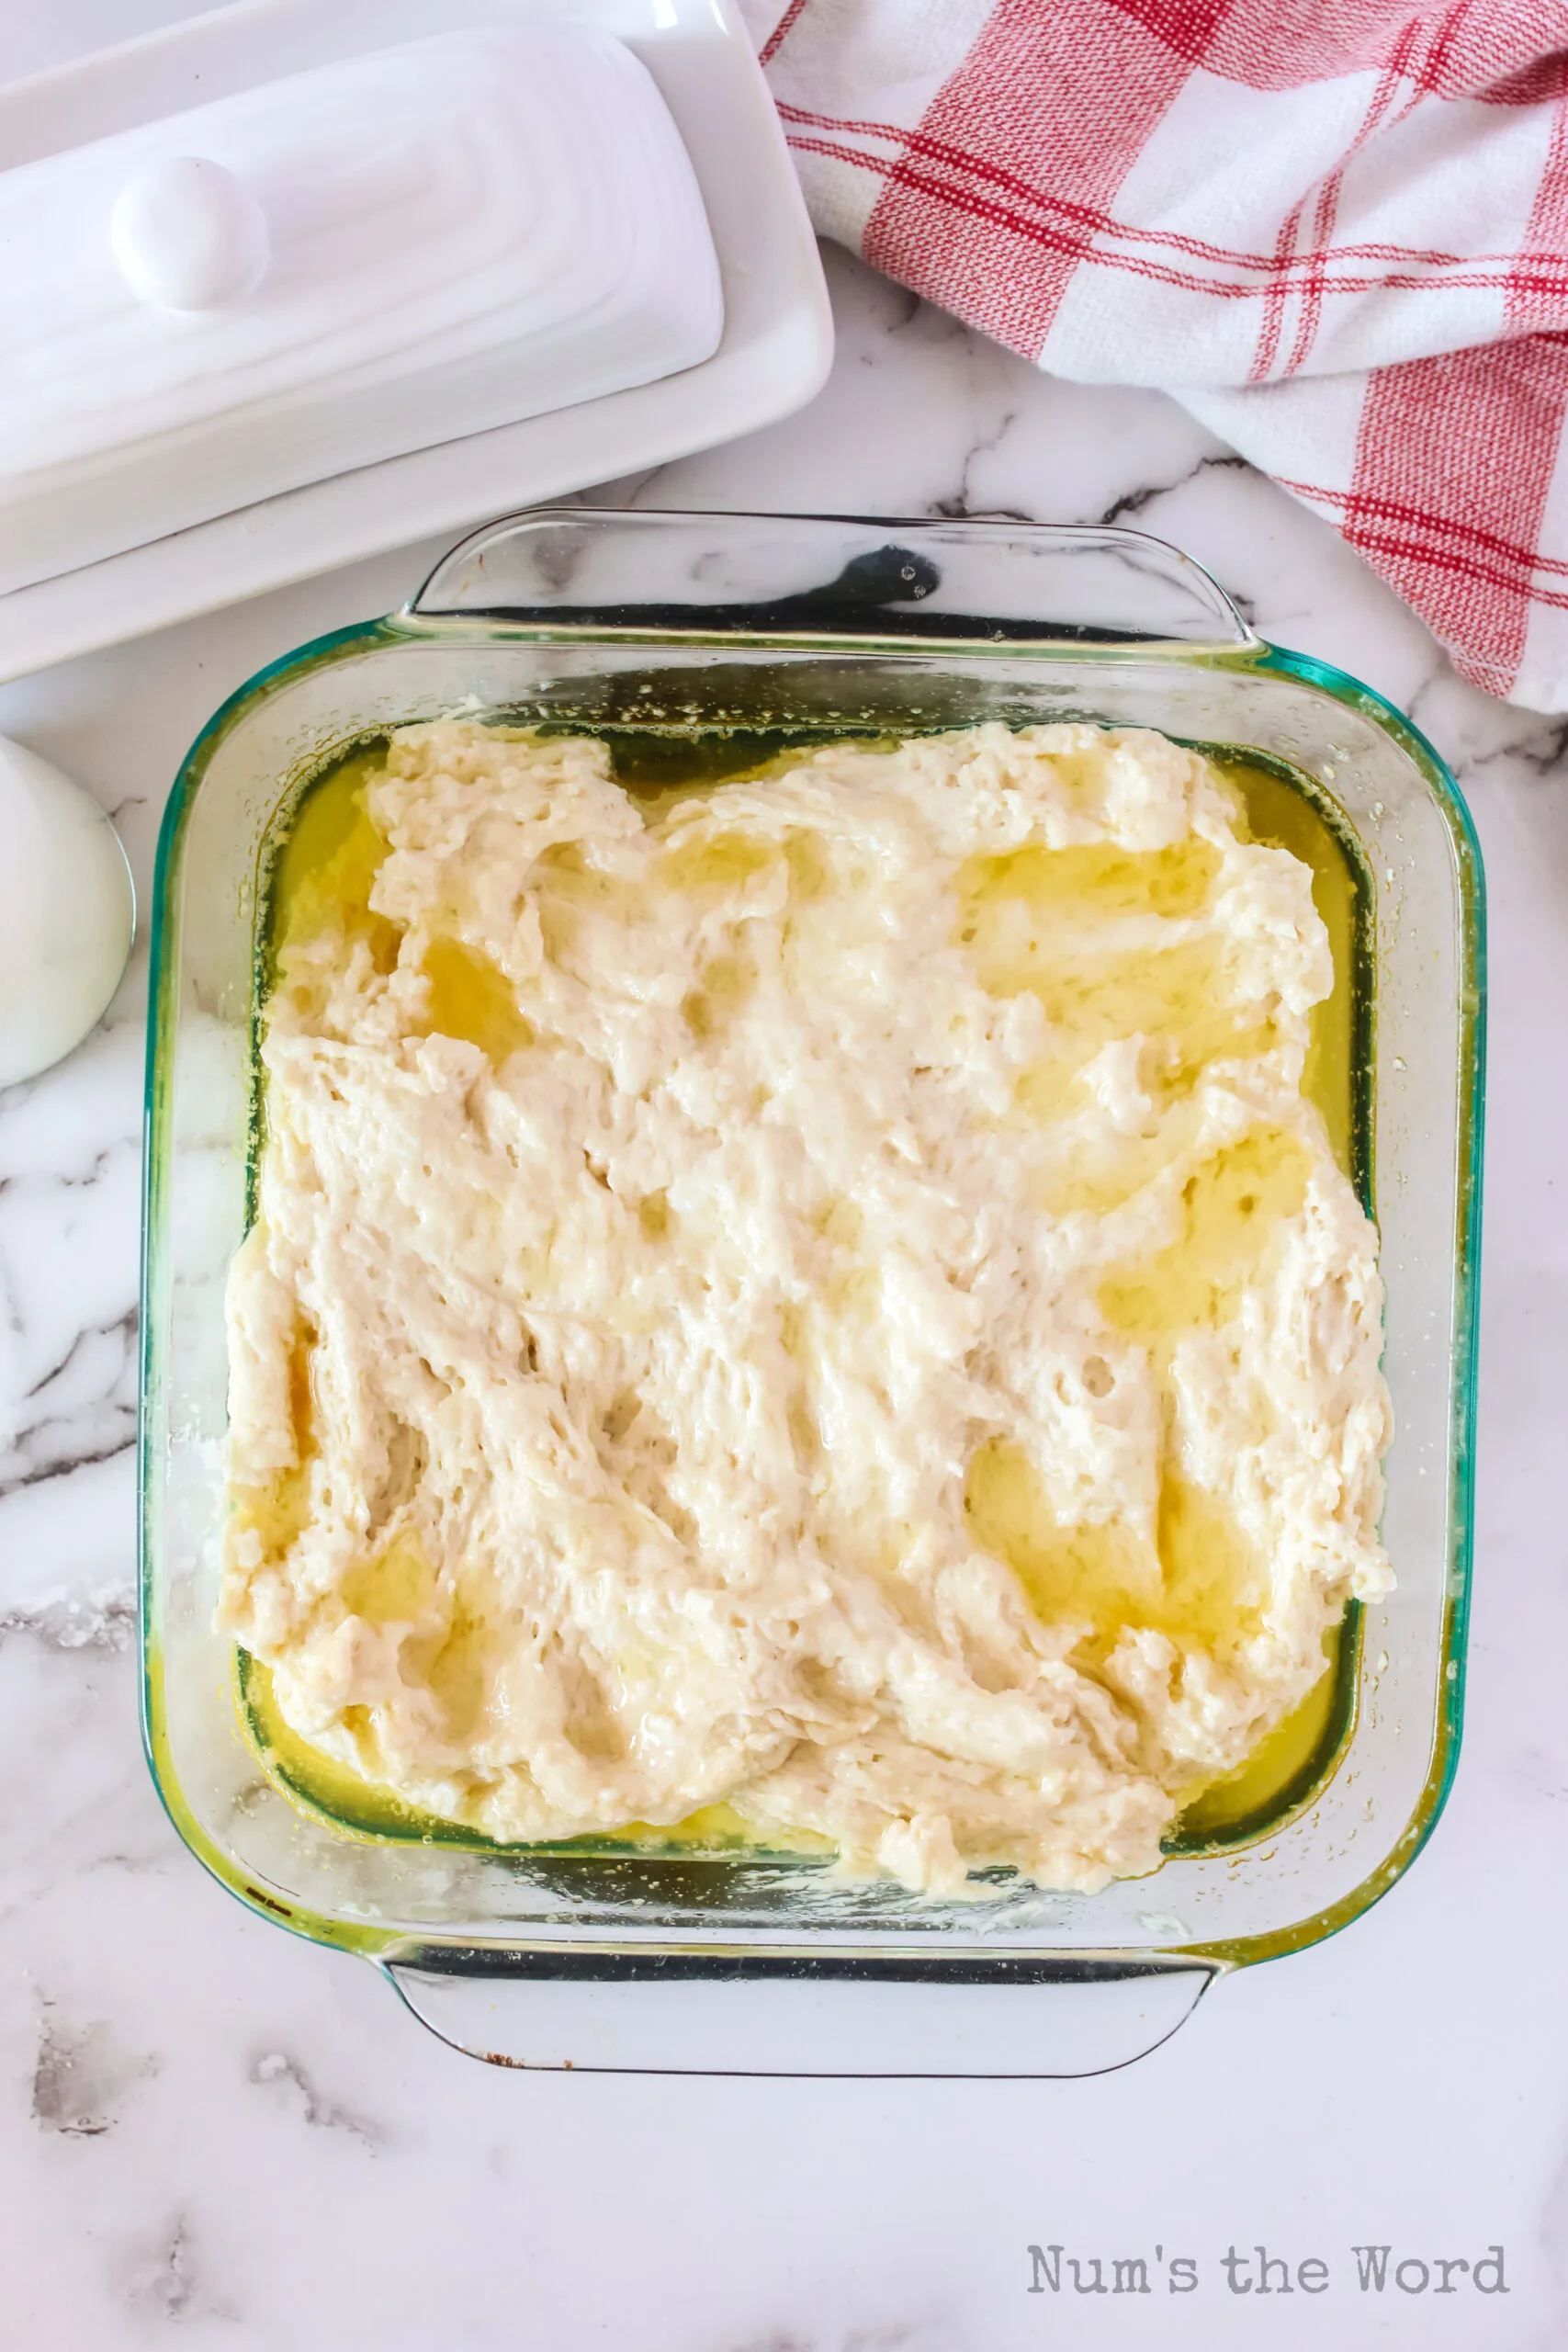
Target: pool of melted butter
<point>320,868</point>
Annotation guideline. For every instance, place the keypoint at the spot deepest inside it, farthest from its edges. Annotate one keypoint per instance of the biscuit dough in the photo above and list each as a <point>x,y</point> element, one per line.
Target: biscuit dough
<point>826,1295</point>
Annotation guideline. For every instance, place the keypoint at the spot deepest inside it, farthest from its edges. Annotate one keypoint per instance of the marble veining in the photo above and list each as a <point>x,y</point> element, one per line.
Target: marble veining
<point>81,2079</point>
<point>322,2114</point>
<point>163,2278</point>
<point>211,2133</point>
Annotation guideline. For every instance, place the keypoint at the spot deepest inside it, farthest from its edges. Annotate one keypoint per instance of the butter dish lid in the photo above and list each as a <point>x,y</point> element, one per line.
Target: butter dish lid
<point>337,266</point>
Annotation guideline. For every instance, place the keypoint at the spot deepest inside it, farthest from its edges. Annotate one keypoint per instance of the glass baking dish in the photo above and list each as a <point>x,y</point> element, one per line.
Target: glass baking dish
<point>603,1955</point>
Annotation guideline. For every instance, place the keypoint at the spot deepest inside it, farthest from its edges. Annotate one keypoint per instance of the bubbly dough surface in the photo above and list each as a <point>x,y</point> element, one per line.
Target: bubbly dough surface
<point>827,1296</point>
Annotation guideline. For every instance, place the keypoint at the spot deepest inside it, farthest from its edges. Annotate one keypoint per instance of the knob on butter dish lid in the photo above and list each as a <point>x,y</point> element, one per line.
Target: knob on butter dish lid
<point>339,266</point>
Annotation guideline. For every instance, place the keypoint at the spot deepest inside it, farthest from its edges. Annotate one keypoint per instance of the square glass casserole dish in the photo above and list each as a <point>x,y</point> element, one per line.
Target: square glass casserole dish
<point>600,1953</point>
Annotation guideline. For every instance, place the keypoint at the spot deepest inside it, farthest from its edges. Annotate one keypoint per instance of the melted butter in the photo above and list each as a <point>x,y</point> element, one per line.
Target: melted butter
<point>716,862</point>
<point>350,1799</point>
<point>455,1674</point>
<point>1292,1754</point>
<point>323,869</point>
<point>1230,1211</point>
<point>725,983</point>
<point>394,1586</point>
<point>567,886</point>
<point>1192,1578</point>
<point>341,1795</point>
<point>277,1513</point>
<point>1195,1581</point>
<point>1095,880</point>
<point>1202,1588</point>
<point>1011,918</point>
<point>1095,1179</point>
<point>322,878</point>
<point>1277,811</point>
<point>469,999</point>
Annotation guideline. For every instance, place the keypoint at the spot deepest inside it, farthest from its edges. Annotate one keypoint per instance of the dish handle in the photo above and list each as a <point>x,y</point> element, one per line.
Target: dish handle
<point>819,577</point>
<point>699,2013</point>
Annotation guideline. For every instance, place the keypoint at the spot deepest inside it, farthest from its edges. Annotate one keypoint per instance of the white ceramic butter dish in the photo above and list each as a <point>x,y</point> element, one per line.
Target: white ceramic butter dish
<point>342,265</point>
<point>286,285</point>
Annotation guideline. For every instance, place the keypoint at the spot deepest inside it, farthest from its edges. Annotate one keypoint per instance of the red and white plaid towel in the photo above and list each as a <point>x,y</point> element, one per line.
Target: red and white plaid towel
<point>1337,232</point>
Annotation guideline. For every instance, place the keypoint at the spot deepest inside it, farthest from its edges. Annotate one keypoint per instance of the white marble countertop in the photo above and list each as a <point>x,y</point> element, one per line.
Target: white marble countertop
<point>212,2133</point>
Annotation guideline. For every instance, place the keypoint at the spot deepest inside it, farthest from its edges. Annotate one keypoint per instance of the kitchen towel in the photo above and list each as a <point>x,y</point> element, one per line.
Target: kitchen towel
<point>1337,232</point>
